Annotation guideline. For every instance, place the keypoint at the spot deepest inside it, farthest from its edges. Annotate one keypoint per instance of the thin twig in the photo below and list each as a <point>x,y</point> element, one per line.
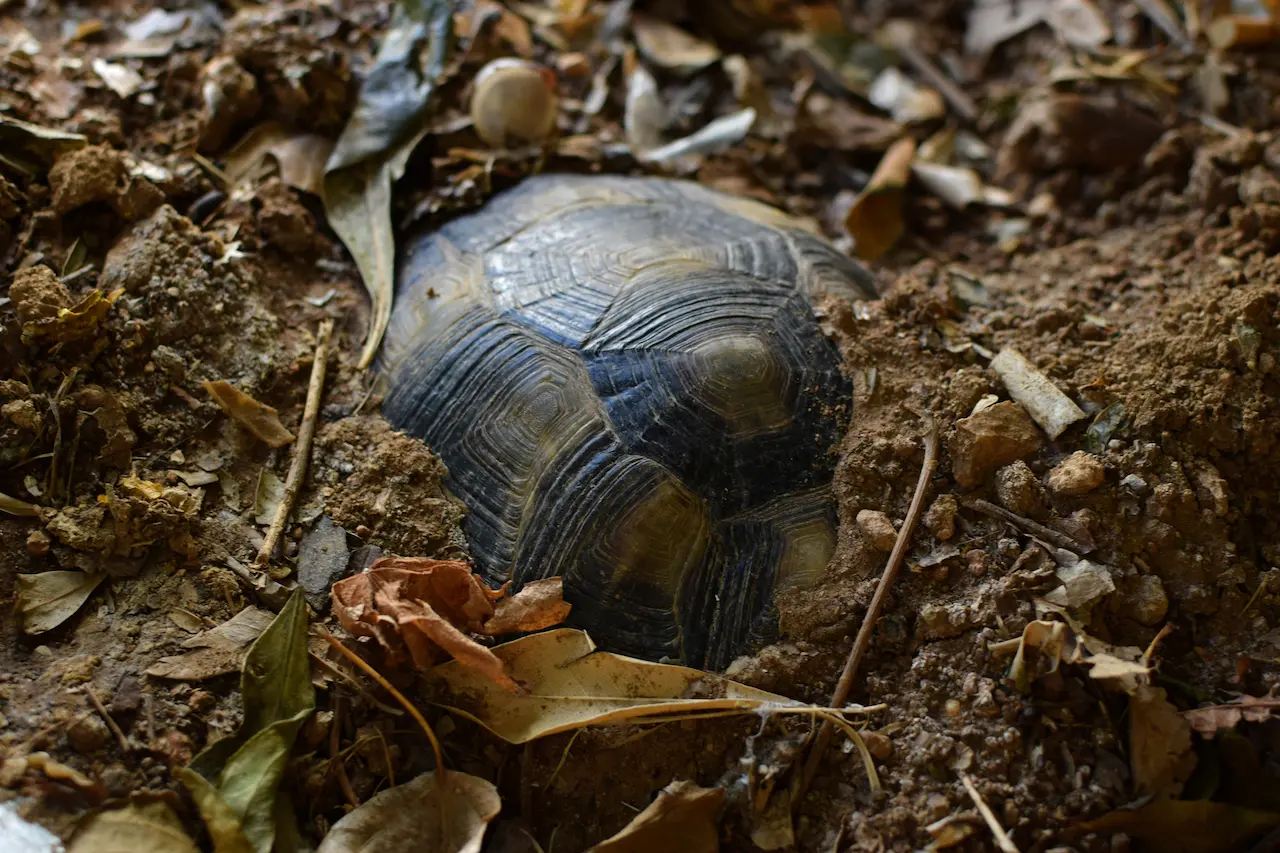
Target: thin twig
<point>1048,534</point>
<point>302,449</point>
<point>387,686</point>
<point>959,101</point>
<point>335,755</point>
<point>1003,841</point>
<point>863,641</point>
<point>111,724</point>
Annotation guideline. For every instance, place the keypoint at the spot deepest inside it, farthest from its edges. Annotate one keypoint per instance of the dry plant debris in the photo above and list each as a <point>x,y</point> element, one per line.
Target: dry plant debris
<point>434,813</point>
<point>259,418</point>
<point>427,608</point>
<point>684,817</point>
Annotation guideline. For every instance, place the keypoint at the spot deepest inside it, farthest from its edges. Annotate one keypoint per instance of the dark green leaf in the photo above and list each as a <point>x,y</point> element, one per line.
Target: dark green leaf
<point>370,156</point>
<point>235,780</point>
<point>275,684</point>
<point>1187,826</point>
<point>249,781</point>
<point>223,824</point>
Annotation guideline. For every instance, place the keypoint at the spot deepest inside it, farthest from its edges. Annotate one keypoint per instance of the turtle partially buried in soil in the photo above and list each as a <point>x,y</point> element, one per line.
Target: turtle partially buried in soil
<point>627,383</point>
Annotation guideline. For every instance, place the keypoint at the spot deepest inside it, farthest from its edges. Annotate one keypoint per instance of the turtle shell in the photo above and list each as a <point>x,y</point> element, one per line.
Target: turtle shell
<point>630,390</point>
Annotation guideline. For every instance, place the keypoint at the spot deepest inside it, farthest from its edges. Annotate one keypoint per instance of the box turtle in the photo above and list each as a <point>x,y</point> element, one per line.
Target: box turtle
<point>628,385</point>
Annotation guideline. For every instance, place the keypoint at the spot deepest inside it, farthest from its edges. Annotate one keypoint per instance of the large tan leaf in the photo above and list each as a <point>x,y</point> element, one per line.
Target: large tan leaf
<point>570,684</point>
<point>683,817</point>
<point>1159,743</point>
<point>151,827</point>
<point>48,599</point>
<point>425,815</point>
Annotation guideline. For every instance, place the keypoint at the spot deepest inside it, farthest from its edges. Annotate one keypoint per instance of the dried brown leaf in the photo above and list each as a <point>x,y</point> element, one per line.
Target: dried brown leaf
<point>48,599</point>
<point>684,817</point>
<point>299,157</point>
<point>429,814</point>
<point>259,418</point>
<point>1159,743</point>
<point>217,651</point>
<point>875,219</point>
<point>1208,721</point>
<point>429,608</point>
<point>536,606</point>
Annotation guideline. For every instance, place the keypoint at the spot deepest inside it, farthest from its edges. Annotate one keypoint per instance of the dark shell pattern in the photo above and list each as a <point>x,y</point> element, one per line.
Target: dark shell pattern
<point>629,387</point>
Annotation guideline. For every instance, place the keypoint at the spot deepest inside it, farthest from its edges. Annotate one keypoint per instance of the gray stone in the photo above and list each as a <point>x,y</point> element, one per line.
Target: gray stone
<point>322,561</point>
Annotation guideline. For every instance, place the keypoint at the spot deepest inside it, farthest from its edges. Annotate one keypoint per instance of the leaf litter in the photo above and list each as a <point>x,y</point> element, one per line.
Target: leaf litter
<point>422,610</point>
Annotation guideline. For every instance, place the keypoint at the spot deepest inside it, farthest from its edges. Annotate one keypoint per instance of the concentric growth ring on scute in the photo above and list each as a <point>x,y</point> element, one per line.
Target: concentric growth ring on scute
<point>629,387</point>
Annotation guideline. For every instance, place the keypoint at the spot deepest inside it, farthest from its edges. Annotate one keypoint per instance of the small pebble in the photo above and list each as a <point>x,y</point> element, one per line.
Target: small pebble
<point>1078,474</point>
<point>88,734</point>
<point>977,560</point>
<point>1133,484</point>
<point>953,708</point>
<point>877,529</point>
<point>1149,602</point>
<point>38,543</point>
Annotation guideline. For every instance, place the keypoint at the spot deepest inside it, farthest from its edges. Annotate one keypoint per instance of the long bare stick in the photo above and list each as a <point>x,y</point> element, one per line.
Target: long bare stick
<point>302,449</point>
<point>1003,841</point>
<point>863,641</point>
<point>1035,528</point>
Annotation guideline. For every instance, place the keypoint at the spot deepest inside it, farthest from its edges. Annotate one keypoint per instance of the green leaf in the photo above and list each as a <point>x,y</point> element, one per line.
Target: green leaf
<point>235,780</point>
<point>1188,826</point>
<point>223,824</point>
<point>252,775</point>
<point>275,684</point>
<point>371,155</point>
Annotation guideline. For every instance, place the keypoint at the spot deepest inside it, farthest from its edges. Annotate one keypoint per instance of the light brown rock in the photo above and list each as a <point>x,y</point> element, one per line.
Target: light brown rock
<point>877,528</point>
<point>990,439</point>
<point>1148,602</point>
<point>941,517</point>
<point>1078,474</point>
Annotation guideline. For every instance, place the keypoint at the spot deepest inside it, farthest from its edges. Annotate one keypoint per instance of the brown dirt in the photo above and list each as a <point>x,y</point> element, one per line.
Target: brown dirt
<point>1147,280</point>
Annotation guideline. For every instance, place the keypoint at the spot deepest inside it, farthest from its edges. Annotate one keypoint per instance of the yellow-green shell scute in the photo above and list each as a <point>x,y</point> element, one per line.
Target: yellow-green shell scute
<point>629,387</point>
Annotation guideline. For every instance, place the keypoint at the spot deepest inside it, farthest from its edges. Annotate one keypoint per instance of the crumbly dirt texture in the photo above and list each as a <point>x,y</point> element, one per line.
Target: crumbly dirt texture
<point>1136,268</point>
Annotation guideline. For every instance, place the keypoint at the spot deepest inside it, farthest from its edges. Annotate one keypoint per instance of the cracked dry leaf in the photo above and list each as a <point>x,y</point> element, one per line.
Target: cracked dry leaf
<point>299,157</point>
<point>48,599</point>
<point>875,219</point>
<point>684,817</point>
<point>152,827</point>
<point>1160,749</point>
<point>374,148</point>
<point>428,814</point>
<point>569,684</point>
<point>217,651</point>
<point>428,607</point>
<point>259,418</point>
<point>235,780</point>
<point>267,496</point>
<point>1209,721</point>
